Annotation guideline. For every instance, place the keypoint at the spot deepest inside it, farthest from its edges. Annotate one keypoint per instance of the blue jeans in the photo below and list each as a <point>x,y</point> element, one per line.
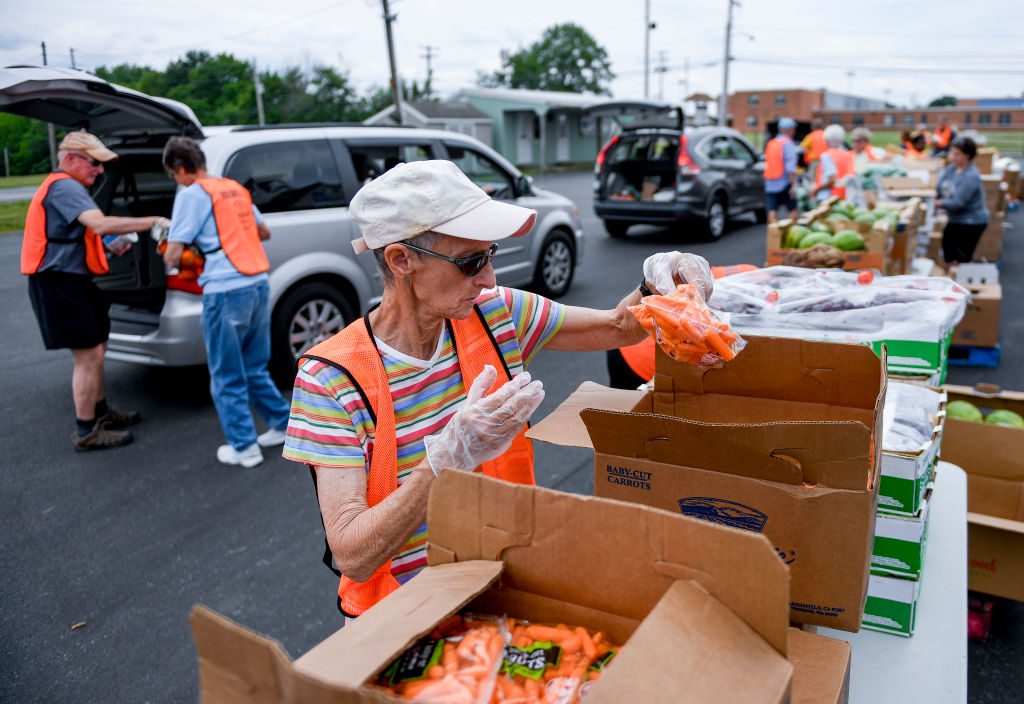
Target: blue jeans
<point>236,327</point>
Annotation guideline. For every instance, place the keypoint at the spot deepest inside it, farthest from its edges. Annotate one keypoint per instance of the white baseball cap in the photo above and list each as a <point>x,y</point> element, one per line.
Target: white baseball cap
<point>422,196</point>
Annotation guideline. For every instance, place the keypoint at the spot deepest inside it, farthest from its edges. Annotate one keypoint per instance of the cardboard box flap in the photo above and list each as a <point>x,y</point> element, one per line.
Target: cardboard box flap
<point>564,426</point>
<point>357,652</point>
<point>607,555</point>
<point>821,668</point>
<point>782,368</point>
<point>765,451</point>
<point>980,519</point>
<point>239,666</point>
<point>685,650</point>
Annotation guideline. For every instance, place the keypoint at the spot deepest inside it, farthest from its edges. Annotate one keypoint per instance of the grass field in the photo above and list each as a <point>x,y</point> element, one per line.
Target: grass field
<point>15,181</point>
<point>12,216</point>
<point>1010,142</point>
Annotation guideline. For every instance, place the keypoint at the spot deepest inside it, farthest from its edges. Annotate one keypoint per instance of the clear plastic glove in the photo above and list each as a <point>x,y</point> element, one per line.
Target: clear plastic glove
<point>666,270</point>
<point>485,426</point>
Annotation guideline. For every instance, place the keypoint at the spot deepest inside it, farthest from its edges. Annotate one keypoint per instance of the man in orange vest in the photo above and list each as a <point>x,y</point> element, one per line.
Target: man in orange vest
<point>61,251</point>
<point>814,145</point>
<point>217,216</point>
<point>434,379</point>
<point>837,165</point>
<point>780,171</point>
<point>942,137</point>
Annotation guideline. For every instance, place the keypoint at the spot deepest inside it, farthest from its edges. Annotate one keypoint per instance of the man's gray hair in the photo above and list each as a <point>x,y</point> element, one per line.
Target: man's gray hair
<point>834,135</point>
<point>426,240</point>
<point>861,133</point>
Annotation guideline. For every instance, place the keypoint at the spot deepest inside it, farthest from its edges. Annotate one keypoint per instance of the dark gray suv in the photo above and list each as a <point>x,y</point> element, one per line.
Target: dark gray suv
<point>663,176</point>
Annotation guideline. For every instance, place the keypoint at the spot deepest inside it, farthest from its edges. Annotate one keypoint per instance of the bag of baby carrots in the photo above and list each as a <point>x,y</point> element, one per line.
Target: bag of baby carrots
<point>550,664</point>
<point>686,329</point>
<point>457,663</point>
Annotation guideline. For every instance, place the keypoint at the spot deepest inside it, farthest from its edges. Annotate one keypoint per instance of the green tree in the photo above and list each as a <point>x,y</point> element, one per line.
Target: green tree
<point>27,146</point>
<point>943,101</point>
<point>565,58</point>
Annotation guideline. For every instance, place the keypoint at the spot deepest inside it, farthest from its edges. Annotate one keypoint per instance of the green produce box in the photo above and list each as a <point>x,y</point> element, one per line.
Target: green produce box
<point>914,357</point>
<point>891,605</point>
<point>900,543</point>
<point>905,476</point>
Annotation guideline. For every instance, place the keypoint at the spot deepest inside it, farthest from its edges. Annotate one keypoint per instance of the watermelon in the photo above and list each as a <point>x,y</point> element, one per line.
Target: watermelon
<point>849,241</point>
<point>1008,418</point>
<point>793,236</point>
<point>963,410</point>
<point>814,238</point>
<point>836,217</point>
<point>819,226</point>
<point>864,217</point>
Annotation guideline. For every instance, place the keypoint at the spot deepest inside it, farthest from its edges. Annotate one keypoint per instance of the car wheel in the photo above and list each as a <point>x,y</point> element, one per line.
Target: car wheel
<point>616,229</point>
<point>307,315</point>
<point>555,265</point>
<point>715,221</point>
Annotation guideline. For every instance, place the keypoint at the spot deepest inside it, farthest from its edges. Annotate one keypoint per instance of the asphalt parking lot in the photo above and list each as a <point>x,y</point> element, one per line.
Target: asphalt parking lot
<point>127,541</point>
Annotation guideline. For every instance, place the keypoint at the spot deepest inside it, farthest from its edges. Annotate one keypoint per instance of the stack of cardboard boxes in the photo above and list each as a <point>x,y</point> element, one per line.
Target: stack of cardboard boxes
<point>990,246</point>
<point>901,532</point>
<point>980,324</point>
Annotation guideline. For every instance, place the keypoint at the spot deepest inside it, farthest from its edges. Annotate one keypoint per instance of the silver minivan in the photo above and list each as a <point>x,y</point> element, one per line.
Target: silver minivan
<point>301,177</point>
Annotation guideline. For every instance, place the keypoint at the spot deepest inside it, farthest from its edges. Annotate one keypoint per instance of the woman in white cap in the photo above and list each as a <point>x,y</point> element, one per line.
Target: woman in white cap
<point>434,378</point>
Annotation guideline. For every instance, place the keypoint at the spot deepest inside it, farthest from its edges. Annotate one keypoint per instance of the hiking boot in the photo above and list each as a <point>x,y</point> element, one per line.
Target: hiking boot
<point>101,438</point>
<point>119,420</point>
<point>249,457</point>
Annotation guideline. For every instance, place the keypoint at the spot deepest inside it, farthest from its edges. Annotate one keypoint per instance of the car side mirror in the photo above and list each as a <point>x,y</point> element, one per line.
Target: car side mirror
<point>524,185</point>
<point>760,157</point>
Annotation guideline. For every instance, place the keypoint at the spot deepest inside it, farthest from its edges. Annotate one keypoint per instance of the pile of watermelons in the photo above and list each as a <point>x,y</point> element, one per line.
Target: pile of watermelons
<point>834,229</point>
<point>964,410</point>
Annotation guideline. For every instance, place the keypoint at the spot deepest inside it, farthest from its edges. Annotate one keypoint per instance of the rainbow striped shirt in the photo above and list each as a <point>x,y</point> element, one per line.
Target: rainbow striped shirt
<point>329,423</point>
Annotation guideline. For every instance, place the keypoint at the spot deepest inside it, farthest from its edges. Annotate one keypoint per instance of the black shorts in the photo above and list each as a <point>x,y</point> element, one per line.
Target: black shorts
<point>959,241</point>
<point>774,200</point>
<point>71,310</point>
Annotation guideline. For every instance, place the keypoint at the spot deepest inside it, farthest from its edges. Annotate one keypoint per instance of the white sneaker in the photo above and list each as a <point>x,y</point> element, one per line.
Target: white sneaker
<point>271,438</point>
<point>249,457</point>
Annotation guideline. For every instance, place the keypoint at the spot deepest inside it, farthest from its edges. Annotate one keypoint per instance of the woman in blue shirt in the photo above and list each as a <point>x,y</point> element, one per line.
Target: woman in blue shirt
<point>962,196</point>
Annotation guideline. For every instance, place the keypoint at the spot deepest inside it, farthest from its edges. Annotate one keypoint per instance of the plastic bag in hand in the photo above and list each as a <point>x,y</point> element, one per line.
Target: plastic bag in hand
<point>668,269</point>
<point>686,328</point>
<point>485,426</point>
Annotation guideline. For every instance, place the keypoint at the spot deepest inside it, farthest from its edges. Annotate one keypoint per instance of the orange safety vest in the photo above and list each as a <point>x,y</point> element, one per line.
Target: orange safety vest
<point>844,167</point>
<point>640,358</point>
<point>816,145</point>
<point>911,152</point>
<point>354,352</point>
<point>236,225</point>
<point>944,135</point>
<point>33,244</point>
<point>774,165</point>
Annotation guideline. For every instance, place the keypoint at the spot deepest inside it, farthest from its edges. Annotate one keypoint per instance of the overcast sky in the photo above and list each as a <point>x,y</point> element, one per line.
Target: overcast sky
<point>864,48</point>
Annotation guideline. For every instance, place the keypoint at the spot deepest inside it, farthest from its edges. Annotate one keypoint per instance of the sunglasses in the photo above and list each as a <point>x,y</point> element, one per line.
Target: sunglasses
<point>470,265</point>
<point>92,162</point>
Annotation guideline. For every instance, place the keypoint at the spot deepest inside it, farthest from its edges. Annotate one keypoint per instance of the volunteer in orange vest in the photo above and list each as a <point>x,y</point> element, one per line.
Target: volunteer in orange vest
<point>915,147</point>
<point>942,137</point>
<point>814,145</point>
<point>865,155</point>
<point>780,171</point>
<point>836,165</point>
<point>62,250</point>
<point>216,216</point>
<point>433,379</point>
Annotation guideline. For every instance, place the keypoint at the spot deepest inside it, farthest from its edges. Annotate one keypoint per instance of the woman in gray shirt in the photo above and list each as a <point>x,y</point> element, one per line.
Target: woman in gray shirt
<point>962,196</point>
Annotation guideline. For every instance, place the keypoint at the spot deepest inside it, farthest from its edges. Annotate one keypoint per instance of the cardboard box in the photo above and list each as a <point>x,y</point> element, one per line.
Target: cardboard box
<point>980,326</point>
<point>876,238</point>
<point>924,357</point>
<point>984,158</point>
<point>900,543</point>
<point>996,194</point>
<point>778,441</point>
<point>991,456</point>
<point>701,610</point>
<point>821,668</point>
<point>905,476</point>
<point>892,605</point>
<point>990,246</point>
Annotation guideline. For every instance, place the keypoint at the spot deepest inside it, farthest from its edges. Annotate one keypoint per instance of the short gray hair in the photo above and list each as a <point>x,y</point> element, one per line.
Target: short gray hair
<point>834,135</point>
<point>861,133</point>
<point>425,240</point>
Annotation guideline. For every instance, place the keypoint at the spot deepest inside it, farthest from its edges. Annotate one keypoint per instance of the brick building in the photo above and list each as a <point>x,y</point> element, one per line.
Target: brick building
<point>983,115</point>
<point>751,110</point>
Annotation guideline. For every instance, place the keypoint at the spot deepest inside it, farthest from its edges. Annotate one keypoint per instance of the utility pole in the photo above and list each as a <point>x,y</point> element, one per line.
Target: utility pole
<point>429,52</point>
<point>723,99</point>
<point>686,78</point>
<point>647,48</point>
<point>51,136</point>
<point>258,85</point>
<point>396,86</point>
<point>72,50</point>
<point>7,162</point>
<point>661,69</point>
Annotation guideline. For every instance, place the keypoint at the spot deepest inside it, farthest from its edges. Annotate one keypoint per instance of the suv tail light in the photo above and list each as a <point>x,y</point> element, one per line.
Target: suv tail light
<point>687,167</point>
<point>176,283</point>
<point>601,155</point>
